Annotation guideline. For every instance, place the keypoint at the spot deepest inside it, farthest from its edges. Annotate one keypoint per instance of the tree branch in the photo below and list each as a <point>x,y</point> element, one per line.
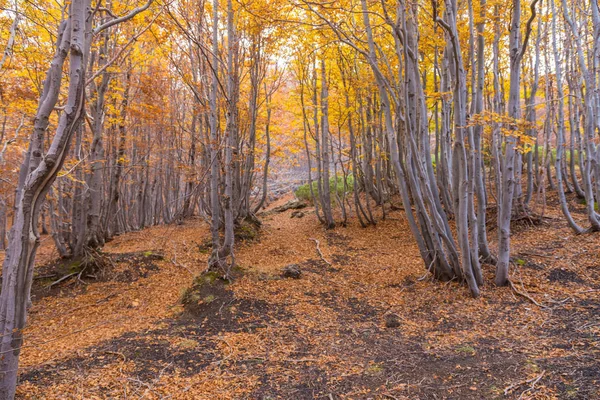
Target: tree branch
<point>124,18</point>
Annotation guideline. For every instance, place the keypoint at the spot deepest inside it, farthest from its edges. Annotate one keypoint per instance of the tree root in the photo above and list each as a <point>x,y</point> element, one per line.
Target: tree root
<point>524,295</point>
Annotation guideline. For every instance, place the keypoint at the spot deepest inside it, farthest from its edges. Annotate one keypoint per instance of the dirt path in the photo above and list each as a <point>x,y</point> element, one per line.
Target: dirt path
<point>322,336</point>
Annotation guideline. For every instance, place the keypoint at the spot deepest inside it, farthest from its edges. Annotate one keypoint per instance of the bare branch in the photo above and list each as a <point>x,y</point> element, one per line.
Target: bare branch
<point>124,18</point>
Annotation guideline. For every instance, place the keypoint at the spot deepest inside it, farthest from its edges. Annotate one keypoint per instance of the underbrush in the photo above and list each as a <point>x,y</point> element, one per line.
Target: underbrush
<point>336,184</point>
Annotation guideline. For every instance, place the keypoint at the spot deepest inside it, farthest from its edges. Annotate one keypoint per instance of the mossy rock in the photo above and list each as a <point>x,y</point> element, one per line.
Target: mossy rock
<point>208,293</point>
<point>208,285</point>
<point>246,230</point>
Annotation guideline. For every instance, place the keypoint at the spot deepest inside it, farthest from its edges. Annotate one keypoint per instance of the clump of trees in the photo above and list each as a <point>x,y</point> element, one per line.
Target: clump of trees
<point>440,103</point>
<point>115,116</point>
<point>121,139</point>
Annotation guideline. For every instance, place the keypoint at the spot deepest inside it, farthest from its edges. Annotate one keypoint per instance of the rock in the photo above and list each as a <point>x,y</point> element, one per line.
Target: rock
<point>290,205</point>
<point>297,214</point>
<point>292,271</point>
<point>391,320</point>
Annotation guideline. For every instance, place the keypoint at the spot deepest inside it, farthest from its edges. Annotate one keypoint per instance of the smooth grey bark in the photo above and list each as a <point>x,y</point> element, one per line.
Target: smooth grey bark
<point>218,260</point>
<point>505,204</point>
<point>12,33</point>
<point>325,208</point>
<point>470,261</point>
<point>560,127</point>
<point>306,131</point>
<point>478,172</point>
<point>111,225</point>
<point>435,261</point>
<point>95,178</point>
<point>532,118</point>
<point>215,205</point>
<point>56,227</point>
<point>325,137</point>
<point>361,214</point>
<point>591,110</point>
<point>265,176</point>
<point>2,224</point>
<point>17,270</point>
<point>497,107</point>
<point>575,150</point>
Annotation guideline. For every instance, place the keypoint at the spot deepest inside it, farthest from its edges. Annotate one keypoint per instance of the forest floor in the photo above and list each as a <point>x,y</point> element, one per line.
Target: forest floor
<point>324,335</point>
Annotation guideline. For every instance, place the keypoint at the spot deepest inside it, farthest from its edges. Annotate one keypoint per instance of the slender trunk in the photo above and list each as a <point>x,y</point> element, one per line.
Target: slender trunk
<point>326,192</point>
<point>17,270</point>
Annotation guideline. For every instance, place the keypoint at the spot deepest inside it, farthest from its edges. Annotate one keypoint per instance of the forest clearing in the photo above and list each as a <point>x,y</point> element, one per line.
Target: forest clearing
<point>297,199</point>
<point>323,335</point>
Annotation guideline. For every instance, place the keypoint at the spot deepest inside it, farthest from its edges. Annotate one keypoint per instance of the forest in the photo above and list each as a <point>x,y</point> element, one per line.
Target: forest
<point>300,199</point>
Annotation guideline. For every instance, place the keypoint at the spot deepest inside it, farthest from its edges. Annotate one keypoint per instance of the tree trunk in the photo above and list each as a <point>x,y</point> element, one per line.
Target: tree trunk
<point>17,270</point>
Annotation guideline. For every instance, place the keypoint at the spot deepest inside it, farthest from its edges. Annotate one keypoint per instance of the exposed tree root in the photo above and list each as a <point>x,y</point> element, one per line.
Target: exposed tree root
<point>524,295</point>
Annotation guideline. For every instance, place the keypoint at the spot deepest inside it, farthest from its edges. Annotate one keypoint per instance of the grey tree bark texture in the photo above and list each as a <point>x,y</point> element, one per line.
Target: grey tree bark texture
<point>38,172</point>
<point>17,270</point>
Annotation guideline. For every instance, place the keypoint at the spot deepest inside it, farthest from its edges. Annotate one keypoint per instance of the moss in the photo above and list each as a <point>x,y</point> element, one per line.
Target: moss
<point>147,253</point>
<point>46,281</point>
<point>572,391</point>
<point>520,261</point>
<point>75,266</point>
<point>190,296</point>
<point>210,277</point>
<point>209,299</point>
<point>238,270</point>
<point>584,202</point>
<point>375,369</point>
<point>205,247</point>
<point>531,366</point>
<point>246,231</point>
<point>201,287</point>
<point>466,350</point>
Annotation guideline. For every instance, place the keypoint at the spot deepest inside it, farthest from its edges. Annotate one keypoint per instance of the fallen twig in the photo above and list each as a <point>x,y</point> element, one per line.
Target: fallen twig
<point>319,251</point>
<point>116,353</point>
<point>524,295</point>
<point>62,279</point>
<point>589,291</point>
<point>532,381</point>
<point>44,276</point>
<point>300,360</point>
<point>93,304</point>
<point>528,253</point>
<point>178,264</point>
<point>81,274</point>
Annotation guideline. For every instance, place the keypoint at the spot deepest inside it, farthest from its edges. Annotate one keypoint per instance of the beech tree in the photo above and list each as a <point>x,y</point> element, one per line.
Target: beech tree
<point>465,117</point>
<point>38,172</point>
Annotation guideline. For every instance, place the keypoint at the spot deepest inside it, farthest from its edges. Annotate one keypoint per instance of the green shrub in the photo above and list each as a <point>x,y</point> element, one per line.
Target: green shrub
<point>584,202</point>
<point>303,192</point>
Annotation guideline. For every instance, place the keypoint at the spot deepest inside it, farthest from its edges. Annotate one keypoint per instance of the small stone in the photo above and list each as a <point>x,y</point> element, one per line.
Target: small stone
<point>292,271</point>
<point>391,320</point>
<point>297,214</point>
